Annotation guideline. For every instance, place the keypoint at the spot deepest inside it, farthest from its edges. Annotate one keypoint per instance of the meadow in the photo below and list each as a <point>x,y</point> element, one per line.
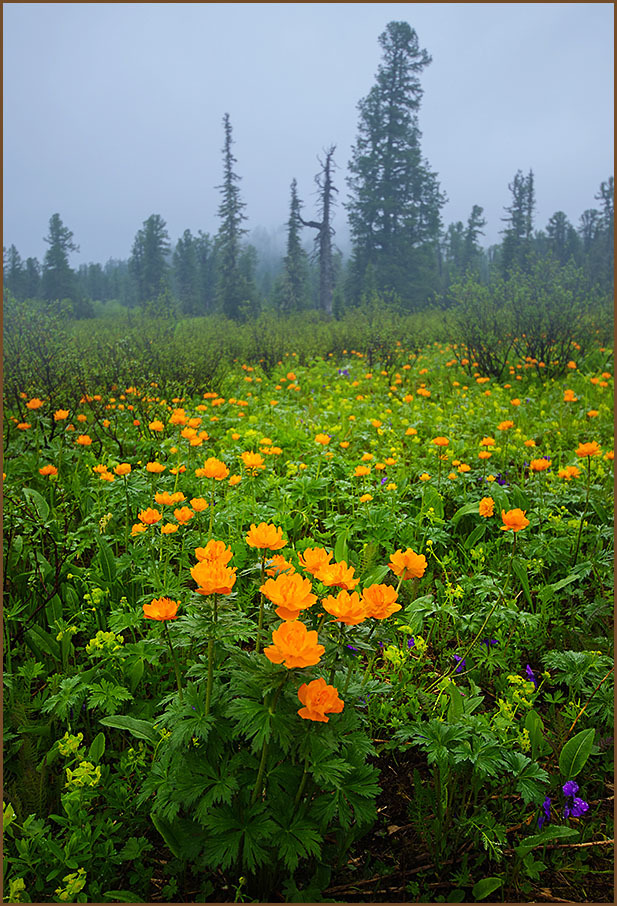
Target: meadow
<point>327,624</point>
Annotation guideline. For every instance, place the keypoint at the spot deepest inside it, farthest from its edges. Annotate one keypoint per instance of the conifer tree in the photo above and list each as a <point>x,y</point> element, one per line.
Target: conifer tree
<point>395,200</point>
<point>325,232</point>
<point>147,264</point>
<point>517,242</point>
<point>186,273</point>
<point>58,279</point>
<point>292,289</point>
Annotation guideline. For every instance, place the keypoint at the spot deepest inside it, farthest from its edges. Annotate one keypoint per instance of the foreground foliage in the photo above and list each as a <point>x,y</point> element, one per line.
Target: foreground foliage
<point>230,606</point>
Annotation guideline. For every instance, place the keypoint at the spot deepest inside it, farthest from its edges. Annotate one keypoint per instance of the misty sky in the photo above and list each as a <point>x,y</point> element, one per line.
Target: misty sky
<point>113,112</point>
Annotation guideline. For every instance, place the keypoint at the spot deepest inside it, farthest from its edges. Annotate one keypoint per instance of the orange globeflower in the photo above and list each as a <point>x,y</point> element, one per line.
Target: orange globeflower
<point>149,516</point>
<point>484,454</point>
<point>34,403</point>
<point>49,470</point>
<point>590,449</point>
<point>294,646</point>
<point>291,594</point>
<point>137,529</point>
<point>337,574</point>
<point>440,441</point>
<point>215,468</point>
<point>410,432</point>
<point>214,550</point>
<point>277,564</point>
<point>407,564</point>
<point>346,607</point>
<point>322,439</point>
<point>253,462</point>
<point>84,440</point>
<point>360,471</point>
<point>380,601</point>
<point>123,468</point>
<point>314,559</point>
<point>265,535</point>
<point>155,467</point>
<point>161,609</point>
<point>487,442</point>
<point>486,507</point>
<point>177,417</point>
<point>504,426</point>
<point>156,425</point>
<point>183,515</point>
<point>234,480</point>
<point>569,396</point>
<point>164,498</point>
<point>569,472</point>
<point>213,577</point>
<point>169,528</point>
<point>539,465</point>
<point>514,520</point>
<point>199,504</point>
<point>61,414</point>
<point>319,699</point>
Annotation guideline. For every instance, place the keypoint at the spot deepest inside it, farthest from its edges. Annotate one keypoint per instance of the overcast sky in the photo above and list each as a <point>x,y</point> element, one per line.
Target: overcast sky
<point>113,111</point>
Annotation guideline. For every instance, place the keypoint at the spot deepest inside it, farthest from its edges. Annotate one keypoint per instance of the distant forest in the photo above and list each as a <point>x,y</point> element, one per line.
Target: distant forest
<point>401,252</point>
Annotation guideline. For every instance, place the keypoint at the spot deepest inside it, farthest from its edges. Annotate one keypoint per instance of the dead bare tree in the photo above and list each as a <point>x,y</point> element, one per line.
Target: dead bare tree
<point>323,240</point>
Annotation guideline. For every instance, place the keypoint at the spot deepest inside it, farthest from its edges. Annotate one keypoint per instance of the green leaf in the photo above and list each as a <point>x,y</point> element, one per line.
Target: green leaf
<point>135,673</point>
<point>554,832</point>
<point>456,708</point>
<point>340,548</point>
<point>475,536</point>
<point>141,729</point>
<point>535,728</point>
<point>38,640</point>
<point>107,562</point>
<point>97,748</point>
<point>575,753</point>
<point>376,575</point>
<point>39,503</point>
<point>520,571</point>
<point>53,610</point>
<point>485,886</point>
<point>432,498</point>
<point>182,836</point>
<point>465,510</point>
<point>122,896</point>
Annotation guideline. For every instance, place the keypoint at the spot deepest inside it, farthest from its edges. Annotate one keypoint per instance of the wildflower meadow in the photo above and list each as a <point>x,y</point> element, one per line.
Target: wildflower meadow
<point>326,627</point>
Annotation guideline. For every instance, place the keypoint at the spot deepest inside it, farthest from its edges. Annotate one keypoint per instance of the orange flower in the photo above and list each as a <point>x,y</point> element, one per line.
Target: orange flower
<point>183,515</point>
<point>177,417</point>
<point>504,426</point>
<point>424,477</point>
<point>234,480</point>
<point>213,577</point>
<point>514,520</point>
<point>265,535</point>
<point>34,403</point>
<point>149,516</point>
<point>410,432</point>
<point>164,498</point>
<point>214,551</point>
<point>440,441</point>
<point>155,467</point>
<point>569,396</point>
<point>137,529</point>
<point>407,564</point>
<point>380,601</point>
<point>530,442</point>
<point>319,699</point>
<point>123,468</point>
<point>464,467</point>
<point>590,449</point>
<point>49,470</point>
<point>365,498</point>
<point>337,574</point>
<point>291,594</point>
<point>539,465</point>
<point>253,462</point>
<point>61,414</point>
<point>84,440</point>
<point>294,646</point>
<point>592,413</point>
<point>156,425</point>
<point>515,402</point>
<point>487,442</point>
<point>215,468</point>
<point>484,454</point>
<point>486,507</point>
<point>314,559</point>
<point>346,607</point>
<point>169,528</point>
<point>161,609</point>
<point>199,504</point>
<point>360,471</point>
<point>322,439</point>
<point>569,472</point>
<point>277,564</point>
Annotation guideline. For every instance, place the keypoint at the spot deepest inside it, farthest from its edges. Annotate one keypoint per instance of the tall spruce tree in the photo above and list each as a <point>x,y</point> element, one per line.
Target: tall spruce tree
<point>518,235</point>
<point>185,273</point>
<point>235,291</point>
<point>58,279</point>
<point>147,264</point>
<point>395,200</point>
<point>292,287</point>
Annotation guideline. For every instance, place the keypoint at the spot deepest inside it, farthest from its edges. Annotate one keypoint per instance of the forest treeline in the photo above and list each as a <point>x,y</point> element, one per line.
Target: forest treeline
<point>401,251</point>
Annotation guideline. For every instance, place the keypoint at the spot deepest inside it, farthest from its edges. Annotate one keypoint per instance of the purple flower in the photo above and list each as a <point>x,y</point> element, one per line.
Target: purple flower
<point>460,663</point>
<point>545,815</point>
<point>411,642</point>
<point>384,479</point>
<point>531,676</point>
<point>570,788</point>
<point>489,642</point>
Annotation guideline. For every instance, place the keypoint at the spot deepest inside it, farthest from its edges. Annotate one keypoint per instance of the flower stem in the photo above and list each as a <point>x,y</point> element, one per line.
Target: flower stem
<point>580,528</point>
<point>210,674</point>
<point>175,662</point>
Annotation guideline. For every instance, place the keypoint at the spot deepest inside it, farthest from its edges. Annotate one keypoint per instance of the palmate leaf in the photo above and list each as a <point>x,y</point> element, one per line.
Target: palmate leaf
<point>253,720</point>
<point>230,833</point>
<point>296,840</point>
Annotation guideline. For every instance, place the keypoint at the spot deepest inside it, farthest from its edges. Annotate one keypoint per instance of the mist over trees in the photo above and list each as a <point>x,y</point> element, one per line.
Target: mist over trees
<point>401,254</point>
